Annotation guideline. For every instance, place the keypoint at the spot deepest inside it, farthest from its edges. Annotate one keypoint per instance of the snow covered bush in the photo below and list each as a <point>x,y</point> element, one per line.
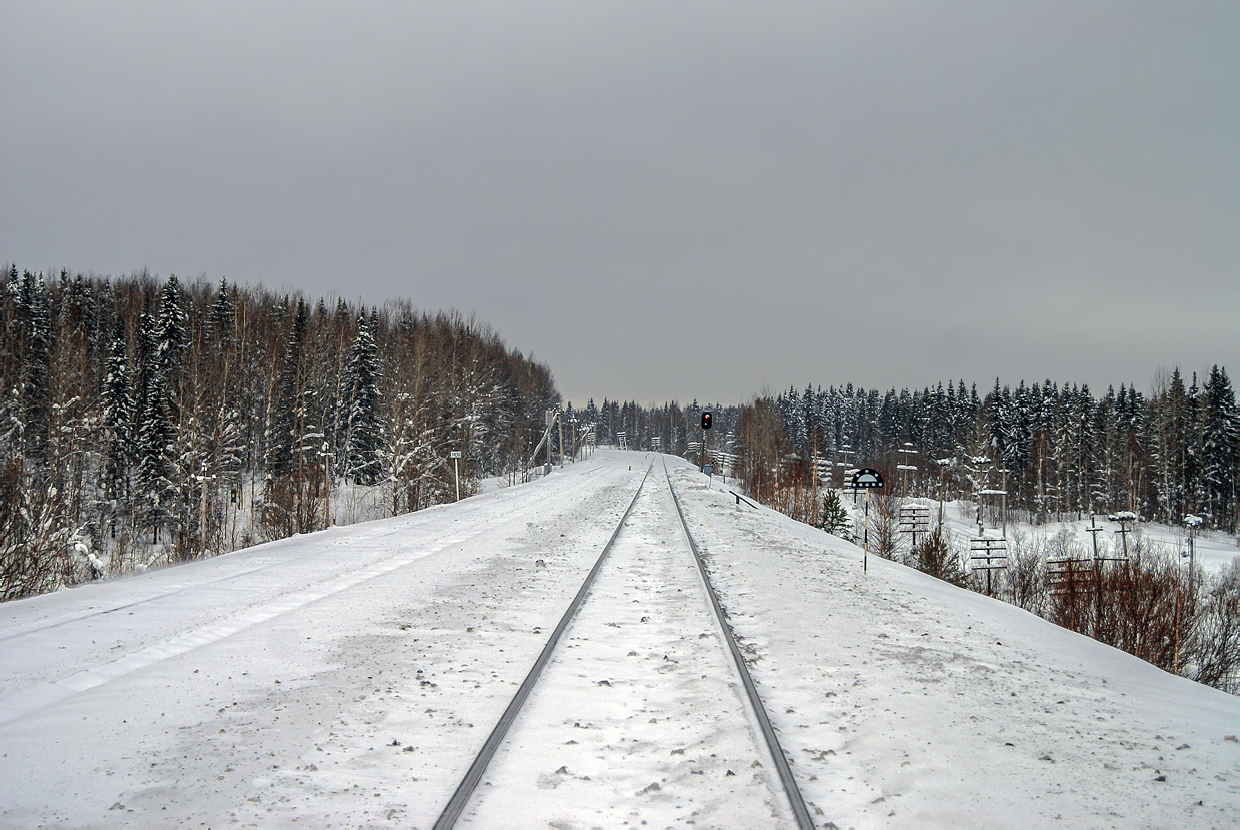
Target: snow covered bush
<point>936,557</point>
<point>34,556</point>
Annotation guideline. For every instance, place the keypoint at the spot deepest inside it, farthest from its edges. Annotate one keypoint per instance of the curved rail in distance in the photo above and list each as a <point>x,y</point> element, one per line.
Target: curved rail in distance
<point>456,804</point>
<point>804,822</point>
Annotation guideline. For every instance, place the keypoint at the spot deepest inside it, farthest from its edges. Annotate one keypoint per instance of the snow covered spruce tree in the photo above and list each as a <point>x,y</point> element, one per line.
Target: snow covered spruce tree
<point>117,426</point>
<point>36,357</point>
<point>153,434</point>
<point>1220,449</point>
<point>295,487</point>
<point>31,504</point>
<point>364,444</point>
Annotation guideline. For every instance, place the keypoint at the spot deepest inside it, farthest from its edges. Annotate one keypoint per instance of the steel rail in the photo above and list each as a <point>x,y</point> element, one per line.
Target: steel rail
<point>804,822</point>
<point>456,804</point>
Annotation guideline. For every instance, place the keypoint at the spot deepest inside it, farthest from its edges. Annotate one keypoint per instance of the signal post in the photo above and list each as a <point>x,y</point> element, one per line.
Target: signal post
<point>706,425</point>
<point>867,480</point>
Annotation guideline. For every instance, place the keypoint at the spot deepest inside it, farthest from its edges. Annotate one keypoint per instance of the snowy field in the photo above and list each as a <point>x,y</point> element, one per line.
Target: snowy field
<point>1215,550</point>
<point>347,678</point>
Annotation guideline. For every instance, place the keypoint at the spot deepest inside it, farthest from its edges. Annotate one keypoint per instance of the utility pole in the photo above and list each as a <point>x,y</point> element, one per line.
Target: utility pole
<point>1123,518</point>
<point>942,462</point>
<point>905,468</point>
<point>1193,522</point>
<point>550,423</point>
<point>1093,530</point>
<point>1003,487</point>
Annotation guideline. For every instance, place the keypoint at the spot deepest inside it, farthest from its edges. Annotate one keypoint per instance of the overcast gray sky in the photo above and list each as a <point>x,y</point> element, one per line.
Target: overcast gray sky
<point>663,199</point>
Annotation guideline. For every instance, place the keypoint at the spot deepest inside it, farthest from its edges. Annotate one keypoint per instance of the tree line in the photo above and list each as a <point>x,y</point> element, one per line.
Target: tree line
<point>1055,449</point>
<point>673,428</point>
<point>146,421</point>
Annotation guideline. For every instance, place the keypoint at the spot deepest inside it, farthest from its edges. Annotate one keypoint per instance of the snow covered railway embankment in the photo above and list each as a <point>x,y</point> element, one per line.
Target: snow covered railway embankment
<point>257,686</point>
<point>640,709</point>
<point>907,702</point>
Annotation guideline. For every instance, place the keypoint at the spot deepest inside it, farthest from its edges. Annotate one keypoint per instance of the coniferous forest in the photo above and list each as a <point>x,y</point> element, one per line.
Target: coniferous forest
<point>1058,450</point>
<point>1055,449</point>
<point>145,421</point>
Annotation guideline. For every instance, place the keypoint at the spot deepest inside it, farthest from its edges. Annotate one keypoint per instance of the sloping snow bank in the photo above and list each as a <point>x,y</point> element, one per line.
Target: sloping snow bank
<point>907,702</point>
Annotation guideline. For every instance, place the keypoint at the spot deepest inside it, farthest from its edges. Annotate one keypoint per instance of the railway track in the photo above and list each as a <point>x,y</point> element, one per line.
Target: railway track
<point>640,705</point>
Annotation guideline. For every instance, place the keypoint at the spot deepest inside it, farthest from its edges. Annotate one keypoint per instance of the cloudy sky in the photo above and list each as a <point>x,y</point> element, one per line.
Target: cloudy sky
<point>663,199</point>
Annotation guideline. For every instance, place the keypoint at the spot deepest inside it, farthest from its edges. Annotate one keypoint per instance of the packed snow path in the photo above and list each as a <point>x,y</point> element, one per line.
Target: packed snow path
<point>641,716</point>
<point>348,678</point>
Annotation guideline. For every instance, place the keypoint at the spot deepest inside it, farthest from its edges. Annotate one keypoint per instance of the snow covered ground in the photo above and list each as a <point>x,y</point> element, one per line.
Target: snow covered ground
<point>640,715</point>
<point>347,678</point>
<point>1215,550</point>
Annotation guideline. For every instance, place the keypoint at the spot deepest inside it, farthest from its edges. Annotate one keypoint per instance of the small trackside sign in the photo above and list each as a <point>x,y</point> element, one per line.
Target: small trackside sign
<point>867,479</point>
<point>454,454</point>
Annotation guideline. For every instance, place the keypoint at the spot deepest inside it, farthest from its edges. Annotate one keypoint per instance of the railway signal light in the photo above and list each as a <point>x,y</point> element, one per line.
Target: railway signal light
<point>705,420</point>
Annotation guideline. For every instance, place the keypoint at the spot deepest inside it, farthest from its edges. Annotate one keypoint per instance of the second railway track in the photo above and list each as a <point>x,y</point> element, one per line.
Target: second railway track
<point>640,708</point>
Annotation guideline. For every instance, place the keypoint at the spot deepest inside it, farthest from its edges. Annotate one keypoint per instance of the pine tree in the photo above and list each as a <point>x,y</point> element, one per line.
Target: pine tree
<point>336,415</point>
<point>220,318</point>
<point>285,433</point>
<point>834,518</point>
<point>154,443</point>
<point>364,447</point>
<point>172,339</point>
<point>152,430</point>
<point>36,394</point>
<point>934,556</point>
<point>117,417</point>
<point>1220,448</point>
<point>1193,485</point>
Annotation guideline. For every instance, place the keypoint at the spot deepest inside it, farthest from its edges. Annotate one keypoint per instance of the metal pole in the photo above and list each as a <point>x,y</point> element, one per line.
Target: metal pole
<point>1004,488</point>
<point>456,469</point>
<point>550,423</point>
<point>1093,522</point>
<point>1192,560</point>
<point>865,535</point>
